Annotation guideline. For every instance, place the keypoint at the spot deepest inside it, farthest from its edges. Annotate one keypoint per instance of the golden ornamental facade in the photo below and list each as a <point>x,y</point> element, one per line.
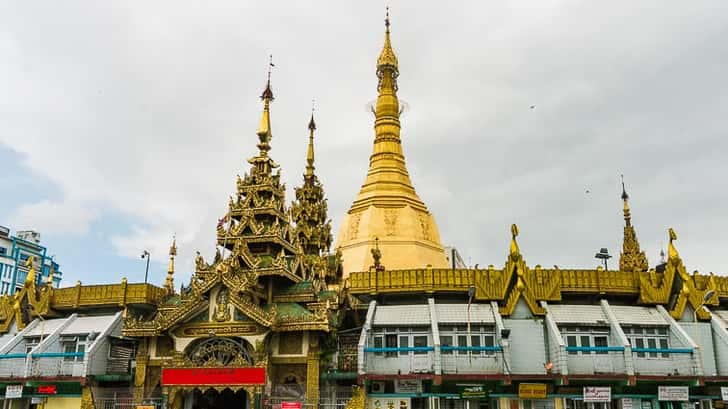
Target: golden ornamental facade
<point>276,320</point>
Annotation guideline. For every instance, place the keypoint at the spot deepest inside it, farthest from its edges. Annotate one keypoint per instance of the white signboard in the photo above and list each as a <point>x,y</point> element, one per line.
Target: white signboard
<point>597,394</point>
<point>724,393</point>
<point>390,403</point>
<point>407,386</point>
<point>673,393</point>
<point>627,403</point>
<point>13,391</point>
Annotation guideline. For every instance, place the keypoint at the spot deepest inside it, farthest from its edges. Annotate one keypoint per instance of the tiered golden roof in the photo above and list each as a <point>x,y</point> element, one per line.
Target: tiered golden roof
<point>631,258</point>
<point>387,206</point>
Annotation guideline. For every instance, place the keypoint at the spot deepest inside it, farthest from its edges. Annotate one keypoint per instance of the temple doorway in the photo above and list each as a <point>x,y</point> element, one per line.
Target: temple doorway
<point>225,399</point>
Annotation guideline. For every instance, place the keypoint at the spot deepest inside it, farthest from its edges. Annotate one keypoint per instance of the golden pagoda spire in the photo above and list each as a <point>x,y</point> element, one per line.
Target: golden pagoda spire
<point>169,282</point>
<point>631,258</point>
<point>309,155</point>
<point>387,205</point>
<point>262,162</point>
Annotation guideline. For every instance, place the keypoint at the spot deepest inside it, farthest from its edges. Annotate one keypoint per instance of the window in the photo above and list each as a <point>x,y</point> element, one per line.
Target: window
<point>649,337</point>
<point>446,341</point>
<point>401,338</point>
<point>586,337</point>
<point>74,345</point>
<point>391,342</point>
<point>3,251</point>
<point>31,343</point>
<point>420,341</point>
<point>458,337</point>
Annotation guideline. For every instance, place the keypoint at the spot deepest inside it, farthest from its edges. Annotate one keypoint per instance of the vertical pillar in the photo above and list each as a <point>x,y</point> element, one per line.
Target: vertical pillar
<point>140,373</point>
<point>312,378</point>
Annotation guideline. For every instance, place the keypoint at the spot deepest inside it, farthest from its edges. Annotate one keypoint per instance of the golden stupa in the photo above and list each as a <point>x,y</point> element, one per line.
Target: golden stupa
<point>387,211</point>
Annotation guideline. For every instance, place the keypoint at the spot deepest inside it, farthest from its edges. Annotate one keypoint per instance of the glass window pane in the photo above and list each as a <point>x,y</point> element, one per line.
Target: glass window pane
<point>663,344</point>
<point>378,343</point>
<point>662,331</point>
<point>601,341</point>
<point>649,331</point>
<point>391,342</point>
<point>420,341</point>
<point>489,341</point>
<point>446,340</point>
<point>475,341</point>
<point>640,342</point>
<point>652,343</point>
<point>585,342</point>
<point>403,343</point>
<point>571,341</point>
<point>462,342</point>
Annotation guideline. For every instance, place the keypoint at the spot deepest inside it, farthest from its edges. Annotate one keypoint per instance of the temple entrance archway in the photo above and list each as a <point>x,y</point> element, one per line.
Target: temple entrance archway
<point>216,399</point>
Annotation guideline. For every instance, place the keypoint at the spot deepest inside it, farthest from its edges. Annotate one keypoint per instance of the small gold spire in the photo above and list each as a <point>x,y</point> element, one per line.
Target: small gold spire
<point>169,282</point>
<point>631,258</point>
<point>51,273</point>
<point>387,58</point>
<point>264,131</point>
<point>310,155</point>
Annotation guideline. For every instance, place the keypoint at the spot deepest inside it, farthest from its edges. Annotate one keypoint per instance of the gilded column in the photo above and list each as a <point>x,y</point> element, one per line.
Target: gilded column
<point>312,378</point>
<point>142,358</point>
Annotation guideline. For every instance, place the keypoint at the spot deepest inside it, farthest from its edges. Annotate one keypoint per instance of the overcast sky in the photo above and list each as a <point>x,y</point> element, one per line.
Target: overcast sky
<point>124,122</point>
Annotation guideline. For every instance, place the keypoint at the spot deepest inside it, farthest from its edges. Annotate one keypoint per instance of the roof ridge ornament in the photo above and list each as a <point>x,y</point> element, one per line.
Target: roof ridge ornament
<point>632,258</point>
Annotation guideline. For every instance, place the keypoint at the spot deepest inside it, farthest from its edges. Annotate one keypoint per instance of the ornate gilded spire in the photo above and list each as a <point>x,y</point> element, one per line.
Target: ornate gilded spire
<point>310,209</point>
<point>169,282</point>
<point>631,258</point>
<point>308,176</point>
<point>387,58</point>
<point>263,163</point>
<point>387,205</point>
<point>672,253</point>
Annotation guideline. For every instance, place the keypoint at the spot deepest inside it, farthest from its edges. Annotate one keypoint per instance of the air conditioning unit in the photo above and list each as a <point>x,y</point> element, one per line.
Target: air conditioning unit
<point>377,387</point>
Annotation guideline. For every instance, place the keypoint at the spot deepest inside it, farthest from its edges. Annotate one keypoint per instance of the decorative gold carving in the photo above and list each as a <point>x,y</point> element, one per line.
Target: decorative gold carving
<point>312,378</point>
<point>358,399</point>
<point>222,309</point>
<point>229,329</point>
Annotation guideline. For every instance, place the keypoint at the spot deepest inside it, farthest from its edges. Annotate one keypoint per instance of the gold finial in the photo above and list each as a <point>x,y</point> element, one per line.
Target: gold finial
<point>514,244</point>
<point>51,273</point>
<point>264,132</point>
<point>631,258</point>
<point>169,282</point>
<point>625,199</point>
<point>309,155</point>
<point>387,58</point>
<point>671,250</point>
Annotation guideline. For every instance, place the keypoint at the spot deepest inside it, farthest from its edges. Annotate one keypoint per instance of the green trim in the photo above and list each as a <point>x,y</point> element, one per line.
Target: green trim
<point>112,377</point>
<point>336,375</point>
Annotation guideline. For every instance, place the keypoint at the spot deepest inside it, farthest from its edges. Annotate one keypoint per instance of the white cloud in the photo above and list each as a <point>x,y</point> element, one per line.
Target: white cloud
<point>149,111</point>
<point>61,218</point>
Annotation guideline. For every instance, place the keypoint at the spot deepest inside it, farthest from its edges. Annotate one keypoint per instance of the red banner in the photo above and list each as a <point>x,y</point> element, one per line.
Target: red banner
<point>46,389</point>
<point>290,405</point>
<point>213,376</point>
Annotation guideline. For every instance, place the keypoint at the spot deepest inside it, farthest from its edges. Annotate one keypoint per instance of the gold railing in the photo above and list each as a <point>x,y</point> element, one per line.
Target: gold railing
<point>105,295</point>
<point>411,280</point>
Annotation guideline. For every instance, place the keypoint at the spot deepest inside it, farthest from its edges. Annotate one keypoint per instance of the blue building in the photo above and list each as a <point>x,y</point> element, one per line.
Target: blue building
<point>15,250</point>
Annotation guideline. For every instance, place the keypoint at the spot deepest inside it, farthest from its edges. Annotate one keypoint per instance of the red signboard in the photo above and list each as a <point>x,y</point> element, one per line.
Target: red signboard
<point>290,405</point>
<point>46,389</point>
<point>213,376</point>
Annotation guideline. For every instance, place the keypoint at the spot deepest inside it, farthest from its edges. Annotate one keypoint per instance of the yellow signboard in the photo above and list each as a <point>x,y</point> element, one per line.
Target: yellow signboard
<point>532,390</point>
<point>145,407</point>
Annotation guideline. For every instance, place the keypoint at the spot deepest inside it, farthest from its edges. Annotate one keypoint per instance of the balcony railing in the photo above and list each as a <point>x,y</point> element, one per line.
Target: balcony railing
<point>663,361</point>
<point>400,360</point>
<point>596,360</point>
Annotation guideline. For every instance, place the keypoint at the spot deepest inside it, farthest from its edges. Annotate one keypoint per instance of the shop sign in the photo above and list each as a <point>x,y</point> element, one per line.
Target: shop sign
<point>38,400</point>
<point>673,393</point>
<point>46,390</point>
<point>13,391</point>
<point>290,405</point>
<point>472,391</point>
<point>145,407</point>
<point>627,403</point>
<point>213,376</point>
<point>597,394</point>
<point>532,390</point>
<point>724,393</point>
<point>390,403</point>
<point>408,386</point>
